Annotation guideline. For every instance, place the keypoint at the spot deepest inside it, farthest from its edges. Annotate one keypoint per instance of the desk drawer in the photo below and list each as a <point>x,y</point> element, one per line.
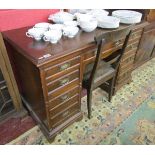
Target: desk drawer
<point>129,58</point>
<point>64,105</point>
<point>65,115</point>
<point>57,92</point>
<point>132,46</point>
<point>136,34</point>
<point>112,45</point>
<point>124,74</point>
<point>62,81</point>
<point>63,97</point>
<point>63,66</point>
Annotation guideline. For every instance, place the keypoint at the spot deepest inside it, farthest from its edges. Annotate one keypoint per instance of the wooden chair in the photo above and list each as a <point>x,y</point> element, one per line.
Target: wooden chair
<point>104,71</point>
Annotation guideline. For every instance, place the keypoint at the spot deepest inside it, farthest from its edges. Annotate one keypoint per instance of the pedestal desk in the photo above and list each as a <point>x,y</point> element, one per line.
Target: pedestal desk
<point>49,76</point>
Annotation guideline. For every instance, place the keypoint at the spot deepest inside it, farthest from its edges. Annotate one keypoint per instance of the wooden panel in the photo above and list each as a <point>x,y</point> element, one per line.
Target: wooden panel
<point>151,15</point>
<point>9,76</point>
<point>146,46</point>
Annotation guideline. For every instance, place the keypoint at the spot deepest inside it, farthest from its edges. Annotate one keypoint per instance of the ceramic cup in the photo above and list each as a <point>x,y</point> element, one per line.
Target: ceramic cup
<point>58,27</point>
<point>70,31</point>
<point>35,33</point>
<point>52,36</point>
<point>42,25</point>
<point>71,23</point>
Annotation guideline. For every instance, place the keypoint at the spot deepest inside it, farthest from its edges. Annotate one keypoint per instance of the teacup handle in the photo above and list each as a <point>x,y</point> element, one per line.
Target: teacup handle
<point>45,39</point>
<point>28,35</point>
<point>64,33</point>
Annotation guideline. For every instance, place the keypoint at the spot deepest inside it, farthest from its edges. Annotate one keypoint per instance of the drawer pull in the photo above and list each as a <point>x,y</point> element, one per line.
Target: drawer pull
<point>117,43</point>
<point>131,47</point>
<point>65,113</point>
<point>134,36</point>
<point>64,97</point>
<point>64,81</point>
<point>64,66</point>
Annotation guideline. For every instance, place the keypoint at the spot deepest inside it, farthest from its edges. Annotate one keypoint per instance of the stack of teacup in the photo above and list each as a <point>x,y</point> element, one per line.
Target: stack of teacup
<point>37,32</point>
<point>53,32</point>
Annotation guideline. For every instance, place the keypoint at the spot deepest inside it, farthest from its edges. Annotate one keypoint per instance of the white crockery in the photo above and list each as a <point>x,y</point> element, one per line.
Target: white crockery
<point>52,36</point>
<point>73,11</point>
<point>88,26</point>
<point>71,23</point>
<point>83,17</point>
<point>61,17</point>
<point>36,33</point>
<point>70,31</point>
<point>128,16</point>
<point>98,12</point>
<point>108,22</point>
<point>56,27</point>
<point>42,25</point>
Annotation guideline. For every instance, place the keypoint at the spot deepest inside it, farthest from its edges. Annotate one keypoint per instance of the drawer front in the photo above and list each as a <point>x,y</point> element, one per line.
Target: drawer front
<point>130,52</point>
<point>125,74</point>
<point>123,81</point>
<point>63,97</point>
<point>89,54</point>
<point>136,34</point>
<point>118,86</point>
<point>61,90</point>
<point>64,116</point>
<point>112,45</point>
<point>62,81</point>
<point>125,66</point>
<point>128,59</point>
<point>128,67</point>
<point>137,29</point>
<point>63,66</point>
<point>64,105</point>
<point>132,46</point>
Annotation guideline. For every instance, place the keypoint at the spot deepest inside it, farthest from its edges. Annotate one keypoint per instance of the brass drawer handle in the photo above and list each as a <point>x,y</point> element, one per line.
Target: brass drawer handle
<point>134,35</point>
<point>131,47</point>
<point>65,113</point>
<point>64,97</point>
<point>117,43</point>
<point>64,81</point>
<point>64,66</point>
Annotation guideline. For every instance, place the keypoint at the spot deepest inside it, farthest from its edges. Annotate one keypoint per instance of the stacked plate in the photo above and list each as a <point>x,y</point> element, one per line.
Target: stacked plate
<point>108,22</point>
<point>127,16</point>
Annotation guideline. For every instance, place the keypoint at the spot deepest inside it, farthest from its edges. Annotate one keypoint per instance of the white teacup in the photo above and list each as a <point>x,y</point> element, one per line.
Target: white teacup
<point>83,17</point>
<point>58,27</point>
<point>35,33</point>
<point>71,23</point>
<point>70,31</point>
<point>42,25</point>
<point>52,36</point>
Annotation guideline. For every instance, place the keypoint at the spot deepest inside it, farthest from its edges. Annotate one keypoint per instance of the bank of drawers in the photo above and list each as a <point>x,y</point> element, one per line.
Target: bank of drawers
<point>62,89</point>
<point>107,50</point>
<point>126,64</point>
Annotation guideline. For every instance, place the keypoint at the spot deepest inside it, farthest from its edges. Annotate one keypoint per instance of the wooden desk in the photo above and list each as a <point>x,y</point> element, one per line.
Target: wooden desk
<point>50,75</point>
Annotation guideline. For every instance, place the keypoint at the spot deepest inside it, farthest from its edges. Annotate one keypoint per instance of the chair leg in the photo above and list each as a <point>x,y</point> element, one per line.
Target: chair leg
<point>111,88</point>
<point>89,102</point>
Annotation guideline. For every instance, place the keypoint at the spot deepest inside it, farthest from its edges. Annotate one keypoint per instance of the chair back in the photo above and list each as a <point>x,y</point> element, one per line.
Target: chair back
<point>117,36</point>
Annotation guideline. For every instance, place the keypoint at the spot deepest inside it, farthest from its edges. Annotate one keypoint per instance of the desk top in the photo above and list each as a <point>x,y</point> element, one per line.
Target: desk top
<point>35,50</point>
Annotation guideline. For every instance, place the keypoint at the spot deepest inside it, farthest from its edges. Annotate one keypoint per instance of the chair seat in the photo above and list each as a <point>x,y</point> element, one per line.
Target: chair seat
<point>104,71</point>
